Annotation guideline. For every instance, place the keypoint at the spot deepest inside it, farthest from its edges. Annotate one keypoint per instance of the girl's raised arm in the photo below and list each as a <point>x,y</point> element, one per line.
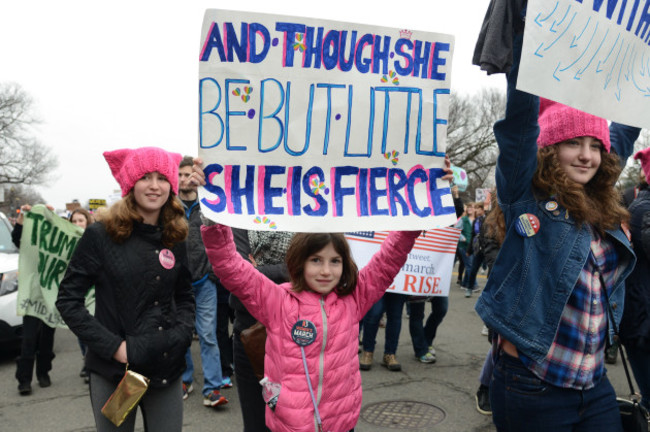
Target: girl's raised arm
<point>237,275</point>
<point>516,137</point>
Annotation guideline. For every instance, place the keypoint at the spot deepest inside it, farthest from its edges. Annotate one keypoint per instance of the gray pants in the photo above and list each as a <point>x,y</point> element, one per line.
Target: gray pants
<point>161,408</point>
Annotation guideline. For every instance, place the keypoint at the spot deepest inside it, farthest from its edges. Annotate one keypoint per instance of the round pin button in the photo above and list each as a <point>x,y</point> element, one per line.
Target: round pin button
<point>303,333</point>
<point>167,259</point>
<point>551,205</point>
<point>527,225</point>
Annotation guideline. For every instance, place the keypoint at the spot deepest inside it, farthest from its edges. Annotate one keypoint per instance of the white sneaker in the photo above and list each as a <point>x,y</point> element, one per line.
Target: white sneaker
<point>187,389</point>
<point>485,330</point>
<point>432,350</point>
<point>427,358</point>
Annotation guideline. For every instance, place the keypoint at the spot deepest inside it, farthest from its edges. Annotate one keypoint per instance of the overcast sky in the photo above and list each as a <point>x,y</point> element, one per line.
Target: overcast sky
<point>108,75</point>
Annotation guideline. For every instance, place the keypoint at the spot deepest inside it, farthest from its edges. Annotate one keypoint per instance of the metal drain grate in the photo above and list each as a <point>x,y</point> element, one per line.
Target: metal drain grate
<point>402,414</point>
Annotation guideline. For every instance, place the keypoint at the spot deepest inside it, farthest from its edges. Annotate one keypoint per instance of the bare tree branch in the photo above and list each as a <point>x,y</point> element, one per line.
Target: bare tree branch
<point>471,142</point>
<point>23,158</point>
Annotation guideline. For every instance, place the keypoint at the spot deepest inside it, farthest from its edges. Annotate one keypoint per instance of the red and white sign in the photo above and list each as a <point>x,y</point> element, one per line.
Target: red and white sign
<point>427,271</point>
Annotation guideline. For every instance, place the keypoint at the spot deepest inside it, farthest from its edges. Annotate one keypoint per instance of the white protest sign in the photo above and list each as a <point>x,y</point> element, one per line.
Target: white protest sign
<point>427,271</point>
<point>483,195</point>
<point>315,125</point>
<point>592,55</point>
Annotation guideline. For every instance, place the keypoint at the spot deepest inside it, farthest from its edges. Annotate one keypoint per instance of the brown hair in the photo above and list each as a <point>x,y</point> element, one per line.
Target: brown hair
<point>186,161</point>
<point>122,214</point>
<point>597,203</point>
<point>304,245</point>
<point>495,222</point>
<point>85,213</point>
<point>100,213</point>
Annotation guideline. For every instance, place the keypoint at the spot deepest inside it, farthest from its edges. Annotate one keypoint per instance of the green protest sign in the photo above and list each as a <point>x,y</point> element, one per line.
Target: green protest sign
<point>46,246</point>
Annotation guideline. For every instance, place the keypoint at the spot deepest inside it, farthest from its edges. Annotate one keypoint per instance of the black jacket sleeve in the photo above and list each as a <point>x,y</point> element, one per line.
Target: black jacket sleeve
<point>459,206</point>
<point>82,272</point>
<point>645,233</point>
<point>16,233</point>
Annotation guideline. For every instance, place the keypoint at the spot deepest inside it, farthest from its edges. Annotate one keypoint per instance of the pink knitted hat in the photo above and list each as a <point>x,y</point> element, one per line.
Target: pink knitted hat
<point>129,165</point>
<point>559,123</point>
<point>644,157</point>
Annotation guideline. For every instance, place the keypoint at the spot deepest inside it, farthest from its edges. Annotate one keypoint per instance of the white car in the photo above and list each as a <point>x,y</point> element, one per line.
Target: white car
<point>10,323</point>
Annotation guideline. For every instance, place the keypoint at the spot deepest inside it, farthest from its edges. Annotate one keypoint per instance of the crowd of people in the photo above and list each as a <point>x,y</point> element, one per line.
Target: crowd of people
<point>559,268</point>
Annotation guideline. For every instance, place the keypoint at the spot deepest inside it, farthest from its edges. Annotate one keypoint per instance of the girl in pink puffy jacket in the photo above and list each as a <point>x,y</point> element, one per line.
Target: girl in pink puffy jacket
<point>312,321</point>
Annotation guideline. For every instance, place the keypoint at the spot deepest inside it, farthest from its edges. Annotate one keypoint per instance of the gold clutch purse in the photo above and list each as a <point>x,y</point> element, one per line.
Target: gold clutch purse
<point>126,396</point>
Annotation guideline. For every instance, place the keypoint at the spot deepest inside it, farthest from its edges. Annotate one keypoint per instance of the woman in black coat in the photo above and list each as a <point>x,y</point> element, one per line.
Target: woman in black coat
<point>635,325</point>
<point>144,312</point>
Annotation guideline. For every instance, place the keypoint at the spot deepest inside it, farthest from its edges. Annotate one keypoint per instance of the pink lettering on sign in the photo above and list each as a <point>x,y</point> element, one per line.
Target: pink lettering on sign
<point>167,259</point>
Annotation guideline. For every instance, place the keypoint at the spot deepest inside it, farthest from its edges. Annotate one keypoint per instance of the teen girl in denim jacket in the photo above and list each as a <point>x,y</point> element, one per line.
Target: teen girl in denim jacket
<point>564,245</point>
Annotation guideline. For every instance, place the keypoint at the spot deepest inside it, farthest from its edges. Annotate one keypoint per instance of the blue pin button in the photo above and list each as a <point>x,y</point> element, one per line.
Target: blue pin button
<point>303,333</point>
<point>527,225</point>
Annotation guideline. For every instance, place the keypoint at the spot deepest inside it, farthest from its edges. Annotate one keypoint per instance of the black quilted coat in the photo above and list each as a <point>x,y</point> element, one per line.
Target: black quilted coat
<point>137,299</point>
<point>635,325</point>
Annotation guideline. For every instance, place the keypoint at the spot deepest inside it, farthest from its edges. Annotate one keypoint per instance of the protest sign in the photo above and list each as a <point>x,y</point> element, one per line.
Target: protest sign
<point>460,178</point>
<point>590,54</point>
<point>483,195</point>
<point>46,245</point>
<point>94,204</point>
<point>427,271</point>
<point>315,125</point>
<point>72,206</point>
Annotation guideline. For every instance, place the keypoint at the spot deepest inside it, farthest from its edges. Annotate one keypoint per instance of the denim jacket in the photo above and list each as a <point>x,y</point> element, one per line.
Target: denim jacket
<point>534,276</point>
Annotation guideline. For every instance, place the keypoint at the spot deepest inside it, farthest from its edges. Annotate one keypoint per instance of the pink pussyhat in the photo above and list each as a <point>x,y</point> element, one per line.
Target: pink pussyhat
<point>559,123</point>
<point>129,165</point>
<point>644,157</point>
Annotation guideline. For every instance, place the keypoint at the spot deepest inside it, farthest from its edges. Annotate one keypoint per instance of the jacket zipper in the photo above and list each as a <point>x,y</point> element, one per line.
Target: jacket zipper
<point>321,358</point>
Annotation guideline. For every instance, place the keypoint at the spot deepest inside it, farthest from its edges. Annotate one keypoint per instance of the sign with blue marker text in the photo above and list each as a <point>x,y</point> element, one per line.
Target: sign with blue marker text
<point>315,125</point>
<point>593,55</point>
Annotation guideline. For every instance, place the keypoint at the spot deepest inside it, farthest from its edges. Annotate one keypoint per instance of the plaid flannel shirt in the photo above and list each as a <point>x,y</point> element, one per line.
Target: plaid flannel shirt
<point>576,357</point>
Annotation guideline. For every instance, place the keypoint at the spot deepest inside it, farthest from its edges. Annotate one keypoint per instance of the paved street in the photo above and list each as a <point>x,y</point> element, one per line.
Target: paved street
<point>438,396</point>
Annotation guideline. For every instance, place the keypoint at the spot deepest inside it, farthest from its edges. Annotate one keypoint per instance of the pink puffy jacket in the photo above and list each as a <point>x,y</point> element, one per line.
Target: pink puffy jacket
<point>332,359</point>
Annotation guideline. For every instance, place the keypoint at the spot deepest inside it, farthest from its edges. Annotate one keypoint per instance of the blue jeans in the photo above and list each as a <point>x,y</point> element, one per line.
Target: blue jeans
<point>392,304</point>
<point>205,294</point>
<point>470,275</point>
<point>486,371</point>
<point>522,402</point>
<point>640,363</point>
<point>423,336</point>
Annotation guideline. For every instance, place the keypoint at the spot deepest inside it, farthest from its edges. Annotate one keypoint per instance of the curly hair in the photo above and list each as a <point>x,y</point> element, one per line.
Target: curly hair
<point>597,203</point>
<point>122,214</point>
<point>495,222</point>
<point>304,245</point>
